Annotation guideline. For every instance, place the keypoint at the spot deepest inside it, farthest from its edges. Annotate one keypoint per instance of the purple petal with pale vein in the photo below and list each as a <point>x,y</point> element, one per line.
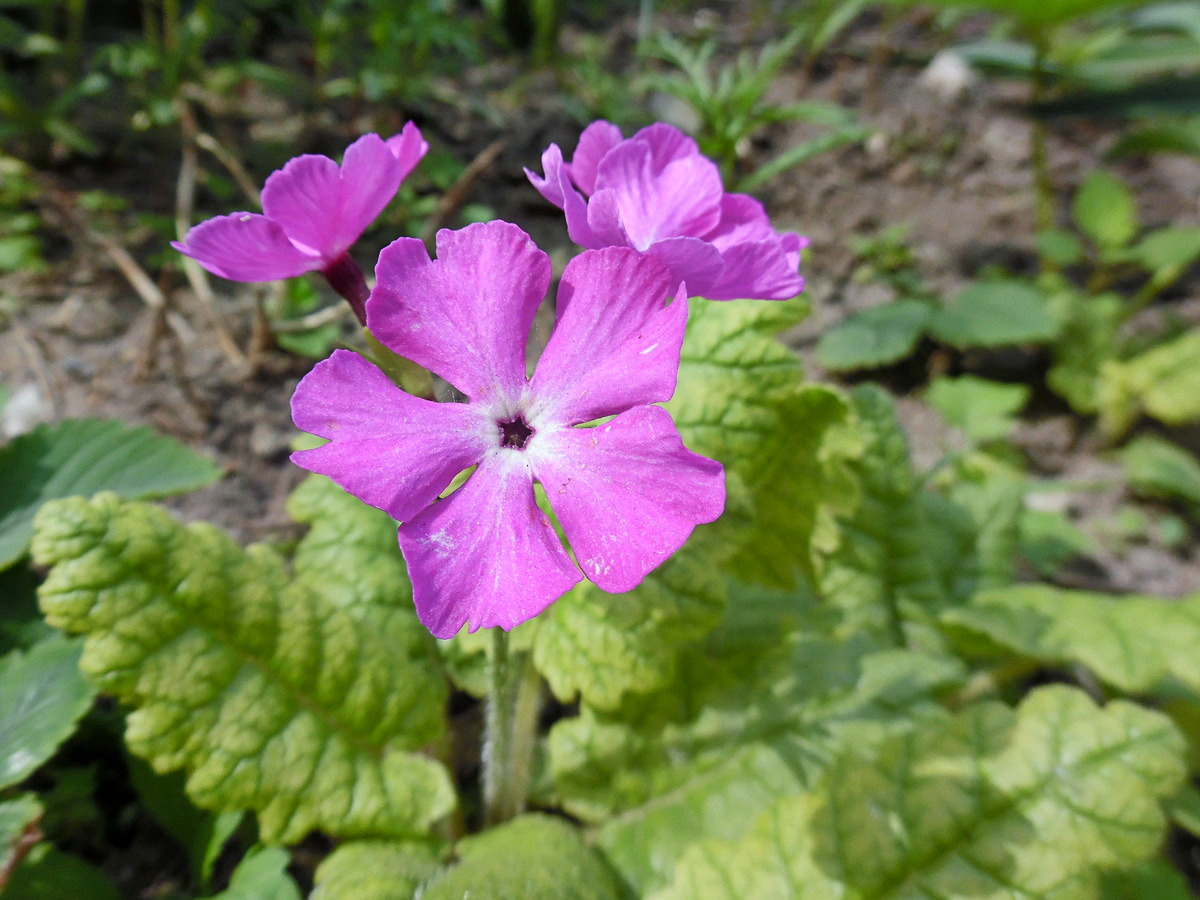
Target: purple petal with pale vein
<point>552,165</point>
<point>409,148</point>
<point>303,198</point>
<point>370,176</point>
<point>465,316</point>
<point>486,554</point>
<point>628,493</point>
<point>684,199</point>
<point>616,342</point>
<point>604,222</point>
<point>765,270</point>
<point>695,262</point>
<point>597,139</point>
<point>246,247</point>
<point>392,450</point>
<point>579,227</point>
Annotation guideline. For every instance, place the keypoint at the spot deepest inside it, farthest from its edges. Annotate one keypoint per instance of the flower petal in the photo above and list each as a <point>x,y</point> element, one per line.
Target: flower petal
<point>552,165</point>
<point>467,315</point>
<point>682,199</point>
<point>667,143</point>
<point>370,176</point>
<point>765,270</point>
<point>604,222</point>
<point>245,246</point>
<point>486,554</point>
<point>303,197</point>
<point>628,493</point>
<point>597,139</point>
<point>392,450</point>
<point>616,342</point>
<point>695,262</point>
<point>743,219</point>
<point>409,148</point>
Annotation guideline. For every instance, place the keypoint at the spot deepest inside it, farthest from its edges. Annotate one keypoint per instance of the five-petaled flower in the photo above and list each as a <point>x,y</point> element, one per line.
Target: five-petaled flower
<point>626,491</point>
<point>657,193</point>
<point>313,211</point>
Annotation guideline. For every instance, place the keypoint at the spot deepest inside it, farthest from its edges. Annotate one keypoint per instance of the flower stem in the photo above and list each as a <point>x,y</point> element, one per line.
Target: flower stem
<point>510,731</point>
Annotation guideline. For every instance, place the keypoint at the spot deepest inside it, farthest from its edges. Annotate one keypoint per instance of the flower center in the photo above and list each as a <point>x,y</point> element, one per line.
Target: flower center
<point>514,433</point>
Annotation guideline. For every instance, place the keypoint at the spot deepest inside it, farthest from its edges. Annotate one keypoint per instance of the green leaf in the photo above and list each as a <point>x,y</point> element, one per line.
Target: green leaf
<point>1036,802</point>
<point>1160,137</point>
<point>531,856</point>
<point>1163,381</point>
<point>42,696</point>
<point>49,874</point>
<point>18,825</point>
<point>766,707</point>
<point>84,456</point>
<point>262,875</point>
<point>1133,643</point>
<point>984,410</point>
<point>1156,467</point>
<point>899,551</point>
<point>1153,878</point>
<point>21,624</point>
<point>1060,247</point>
<point>1035,14</point>
<point>371,870</point>
<point>604,645</point>
<point>202,834</point>
<point>1167,252</point>
<point>273,697</point>
<point>875,337</point>
<point>1087,341</point>
<point>1105,211</point>
<point>1048,539</point>
<point>994,314</point>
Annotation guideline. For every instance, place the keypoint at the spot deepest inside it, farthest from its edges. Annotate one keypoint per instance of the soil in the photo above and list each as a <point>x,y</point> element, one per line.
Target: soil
<point>80,342</point>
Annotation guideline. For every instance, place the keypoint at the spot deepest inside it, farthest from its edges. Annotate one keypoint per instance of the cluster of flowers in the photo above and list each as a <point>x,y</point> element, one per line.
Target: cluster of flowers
<point>657,226</point>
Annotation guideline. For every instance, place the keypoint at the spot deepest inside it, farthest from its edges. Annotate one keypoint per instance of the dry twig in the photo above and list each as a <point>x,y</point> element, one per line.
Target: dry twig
<point>454,197</point>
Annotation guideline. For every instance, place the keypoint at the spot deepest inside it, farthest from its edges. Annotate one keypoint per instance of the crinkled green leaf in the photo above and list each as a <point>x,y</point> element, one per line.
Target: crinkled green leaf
<point>49,874</point>
<point>994,314</point>
<point>372,870</point>
<point>273,697</point>
<point>994,496</point>
<point>1130,642</point>
<point>1158,468</point>
<point>900,549</point>
<point>1087,341</point>
<point>1163,381</point>
<point>531,856</point>
<point>42,696</point>
<point>984,410</point>
<point>262,875</point>
<point>765,708</point>
<point>1105,211</point>
<point>992,803</point>
<point>874,337</point>
<point>84,456</point>
<point>604,645</point>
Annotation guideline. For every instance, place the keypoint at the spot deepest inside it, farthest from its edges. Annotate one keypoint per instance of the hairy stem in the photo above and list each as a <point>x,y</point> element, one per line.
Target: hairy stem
<point>1042,185</point>
<point>510,731</point>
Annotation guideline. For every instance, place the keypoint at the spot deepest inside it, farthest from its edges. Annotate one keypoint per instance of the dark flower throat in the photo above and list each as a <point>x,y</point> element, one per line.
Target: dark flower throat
<point>514,433</point>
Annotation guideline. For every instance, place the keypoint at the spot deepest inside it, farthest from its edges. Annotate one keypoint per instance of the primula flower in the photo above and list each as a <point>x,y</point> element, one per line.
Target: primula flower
<point>313,211</point>
<point>657,193</point>
<point>627,492</point>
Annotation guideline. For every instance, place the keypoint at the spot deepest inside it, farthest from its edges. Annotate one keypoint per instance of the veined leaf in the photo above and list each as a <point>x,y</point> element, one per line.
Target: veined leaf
<point>1087,340</point>
<point>1038,802</point>
<point>271,696</point>
<point>766,708</point>
<point>262,875</point>
<point>1130,642</point>
<point>371,870</point>
<point>531,856</point>
<point>84,456</point>
<point>42,696</point>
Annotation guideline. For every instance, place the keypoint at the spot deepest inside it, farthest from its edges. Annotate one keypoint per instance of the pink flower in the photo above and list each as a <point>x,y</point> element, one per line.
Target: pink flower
<point>657,193</point>
<point>314,210</point>
<point>626,492</point>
